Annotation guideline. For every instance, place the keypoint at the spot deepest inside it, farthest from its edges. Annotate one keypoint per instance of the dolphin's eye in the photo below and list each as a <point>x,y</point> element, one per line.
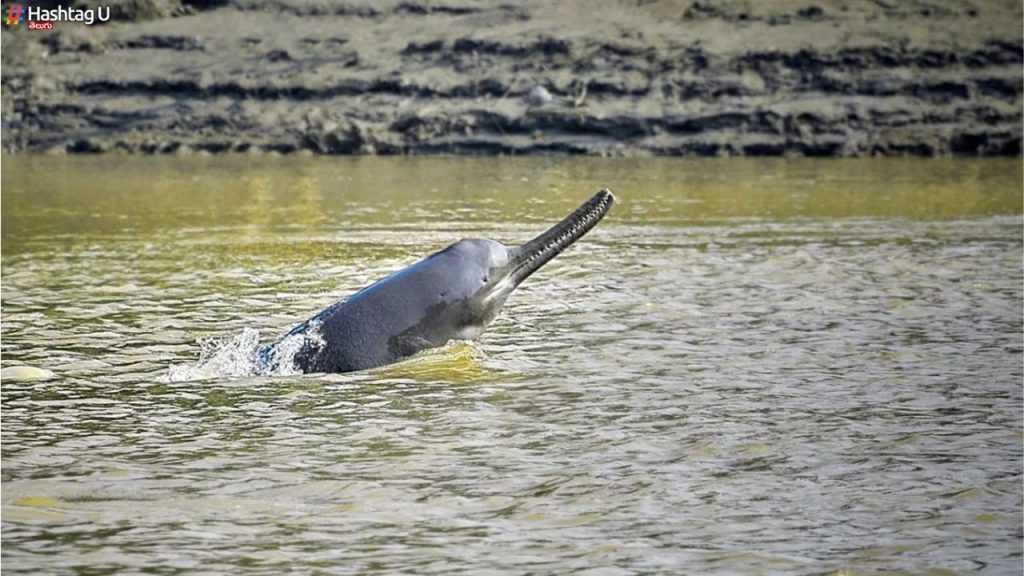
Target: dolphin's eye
<point>485,279</point>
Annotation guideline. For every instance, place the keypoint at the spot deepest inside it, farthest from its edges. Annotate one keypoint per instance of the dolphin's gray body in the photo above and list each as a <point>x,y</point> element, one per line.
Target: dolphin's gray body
<point>453,294</point>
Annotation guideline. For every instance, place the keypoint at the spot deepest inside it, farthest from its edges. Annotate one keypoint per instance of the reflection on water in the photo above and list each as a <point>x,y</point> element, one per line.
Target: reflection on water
<point>748,367</point>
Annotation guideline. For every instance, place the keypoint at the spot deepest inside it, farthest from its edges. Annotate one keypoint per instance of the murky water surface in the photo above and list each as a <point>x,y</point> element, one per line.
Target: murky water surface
<point>749,368</point>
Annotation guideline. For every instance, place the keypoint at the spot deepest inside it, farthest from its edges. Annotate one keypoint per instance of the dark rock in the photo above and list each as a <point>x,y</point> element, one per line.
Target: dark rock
<point>420,9</point>
<point>970,144</point>
<point>182,43</point>
<point>424,48</point>
<point>811,13</point>
<point>278,56</point>
<point>1003,88</point>
<point>87,146</point>
<point>205,4</point>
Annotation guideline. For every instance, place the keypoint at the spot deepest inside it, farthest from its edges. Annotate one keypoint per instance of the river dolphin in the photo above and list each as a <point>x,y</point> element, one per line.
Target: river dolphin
<point>451,295</point>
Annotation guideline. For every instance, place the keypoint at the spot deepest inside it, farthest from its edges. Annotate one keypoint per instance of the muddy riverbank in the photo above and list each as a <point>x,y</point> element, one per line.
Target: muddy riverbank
<point>808,77</point>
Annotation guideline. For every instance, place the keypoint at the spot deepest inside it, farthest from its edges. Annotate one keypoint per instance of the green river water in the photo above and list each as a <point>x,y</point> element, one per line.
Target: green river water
<point>749,367</point>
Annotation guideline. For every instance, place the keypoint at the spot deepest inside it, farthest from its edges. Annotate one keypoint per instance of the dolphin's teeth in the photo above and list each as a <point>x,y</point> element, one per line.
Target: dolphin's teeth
<point>585,222</point>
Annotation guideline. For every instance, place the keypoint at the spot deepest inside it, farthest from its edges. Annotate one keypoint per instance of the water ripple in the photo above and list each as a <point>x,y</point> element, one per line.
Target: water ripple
<point>741,395</point>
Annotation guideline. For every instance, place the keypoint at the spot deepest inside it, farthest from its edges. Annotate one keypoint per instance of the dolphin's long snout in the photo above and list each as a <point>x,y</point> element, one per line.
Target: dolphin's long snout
<point>531,256</point>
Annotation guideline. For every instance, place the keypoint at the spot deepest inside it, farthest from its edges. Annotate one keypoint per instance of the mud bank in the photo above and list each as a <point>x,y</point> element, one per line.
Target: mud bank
<point>836,78</point>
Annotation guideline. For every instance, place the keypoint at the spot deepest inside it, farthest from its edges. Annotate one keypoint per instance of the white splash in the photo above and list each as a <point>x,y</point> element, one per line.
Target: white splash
<point>243,356</point>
